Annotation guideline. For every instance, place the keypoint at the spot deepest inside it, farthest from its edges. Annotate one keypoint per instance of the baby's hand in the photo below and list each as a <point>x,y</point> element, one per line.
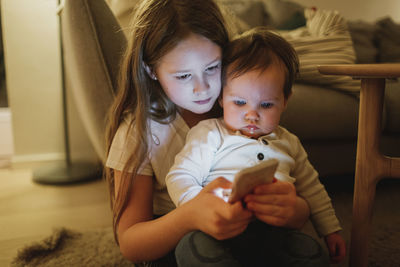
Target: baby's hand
<point>336,246</point>
<point>273,203</point>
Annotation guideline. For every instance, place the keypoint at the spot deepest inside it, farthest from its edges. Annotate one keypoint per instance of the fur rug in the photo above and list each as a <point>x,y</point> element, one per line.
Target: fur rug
<point>71,248</point>
<point>66,247</point>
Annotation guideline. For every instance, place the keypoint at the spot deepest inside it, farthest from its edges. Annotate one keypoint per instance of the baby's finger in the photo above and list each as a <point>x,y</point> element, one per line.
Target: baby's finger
<point>275,188</point>
<point>272,199</point>
<point>270,210</point>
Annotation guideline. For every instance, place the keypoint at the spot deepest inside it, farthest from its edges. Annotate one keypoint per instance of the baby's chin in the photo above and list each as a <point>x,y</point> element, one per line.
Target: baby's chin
<point>254,135</point>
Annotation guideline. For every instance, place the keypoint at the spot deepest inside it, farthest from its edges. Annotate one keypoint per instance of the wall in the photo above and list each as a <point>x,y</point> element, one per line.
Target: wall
<point>33,76</point>
<point>30,34</point>
<point>31,45</point>
<point>368,10</point>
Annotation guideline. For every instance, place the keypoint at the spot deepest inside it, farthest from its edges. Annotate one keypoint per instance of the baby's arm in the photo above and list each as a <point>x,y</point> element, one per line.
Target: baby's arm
<point>322,212</point>
<point>192,164</point>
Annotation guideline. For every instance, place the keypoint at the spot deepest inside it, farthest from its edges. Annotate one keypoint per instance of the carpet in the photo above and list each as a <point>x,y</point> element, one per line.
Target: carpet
<point>66,247</point>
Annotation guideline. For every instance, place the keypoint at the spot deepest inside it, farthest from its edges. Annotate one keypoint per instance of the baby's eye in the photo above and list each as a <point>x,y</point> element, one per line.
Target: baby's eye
<point>266,105</point>
<point>212,69</point>
<point>183,77</point>
<point>239,102</point>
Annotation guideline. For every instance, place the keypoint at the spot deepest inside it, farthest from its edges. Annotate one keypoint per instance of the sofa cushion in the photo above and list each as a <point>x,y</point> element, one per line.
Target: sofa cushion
<point>314,113</point>
<point>392,107</point>
<point>123,11</point>
<point>324,40</point>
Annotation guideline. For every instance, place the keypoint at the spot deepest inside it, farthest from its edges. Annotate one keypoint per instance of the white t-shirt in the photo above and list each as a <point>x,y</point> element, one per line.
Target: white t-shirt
<point>164,143</point>
<point>211,151</point>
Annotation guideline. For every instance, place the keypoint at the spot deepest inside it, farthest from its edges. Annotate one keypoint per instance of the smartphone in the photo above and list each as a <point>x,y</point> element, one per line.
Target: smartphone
<point>246,179</point>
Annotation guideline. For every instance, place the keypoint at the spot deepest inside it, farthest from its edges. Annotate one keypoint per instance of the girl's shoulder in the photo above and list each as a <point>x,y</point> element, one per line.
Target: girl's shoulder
<point>208,125</point>
<point>177,124</point>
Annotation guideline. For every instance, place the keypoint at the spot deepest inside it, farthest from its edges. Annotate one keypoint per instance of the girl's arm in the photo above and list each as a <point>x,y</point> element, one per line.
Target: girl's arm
<point>143,238</point>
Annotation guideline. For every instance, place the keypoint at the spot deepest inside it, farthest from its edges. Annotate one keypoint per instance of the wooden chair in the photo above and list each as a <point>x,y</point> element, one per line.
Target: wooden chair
<point>371,165</point>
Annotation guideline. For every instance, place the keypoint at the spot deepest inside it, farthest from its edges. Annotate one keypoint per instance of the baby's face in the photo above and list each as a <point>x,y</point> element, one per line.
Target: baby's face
<point>253,102</point>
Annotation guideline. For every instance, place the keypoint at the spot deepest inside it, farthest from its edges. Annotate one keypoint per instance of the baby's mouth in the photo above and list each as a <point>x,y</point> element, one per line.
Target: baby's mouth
<point>251,128</point>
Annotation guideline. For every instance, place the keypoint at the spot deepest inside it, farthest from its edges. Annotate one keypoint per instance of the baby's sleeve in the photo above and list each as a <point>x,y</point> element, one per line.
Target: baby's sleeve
<point>310,188</point>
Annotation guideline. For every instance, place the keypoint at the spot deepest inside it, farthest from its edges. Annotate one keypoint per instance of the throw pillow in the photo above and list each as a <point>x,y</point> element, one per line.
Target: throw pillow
<point>275,14</point>
<point>234,24</point>
<point>363,36</point>
<point>324,40</point>
<point>283,15</point>
<point>248,13</point>
<point>388,40</point>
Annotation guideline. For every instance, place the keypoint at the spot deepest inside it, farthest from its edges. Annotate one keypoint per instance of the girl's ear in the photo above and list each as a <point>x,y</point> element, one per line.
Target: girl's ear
<point>149,71</point>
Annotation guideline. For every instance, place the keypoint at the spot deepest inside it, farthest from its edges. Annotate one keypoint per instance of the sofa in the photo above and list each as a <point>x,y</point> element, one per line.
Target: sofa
<point>323,114</point>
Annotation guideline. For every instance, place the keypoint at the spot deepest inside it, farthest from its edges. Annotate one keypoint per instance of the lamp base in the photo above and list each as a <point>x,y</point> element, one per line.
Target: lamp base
<point>67,173</point>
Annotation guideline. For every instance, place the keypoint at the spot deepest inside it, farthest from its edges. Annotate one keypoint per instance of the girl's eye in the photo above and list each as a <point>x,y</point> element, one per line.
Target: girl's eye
<point>212,69</point>
<point>239,102</point>
<point>266,105</point>
<point>183,77</point>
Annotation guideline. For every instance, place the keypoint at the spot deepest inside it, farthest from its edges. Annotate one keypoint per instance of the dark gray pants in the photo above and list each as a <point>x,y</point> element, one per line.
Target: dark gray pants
<point>260,245</point>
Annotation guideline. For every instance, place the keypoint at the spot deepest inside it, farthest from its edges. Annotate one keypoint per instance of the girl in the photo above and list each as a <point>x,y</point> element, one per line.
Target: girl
<point>170,80</point>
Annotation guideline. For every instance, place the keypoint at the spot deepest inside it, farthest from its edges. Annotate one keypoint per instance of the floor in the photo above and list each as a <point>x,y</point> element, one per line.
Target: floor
<point>29,211</point>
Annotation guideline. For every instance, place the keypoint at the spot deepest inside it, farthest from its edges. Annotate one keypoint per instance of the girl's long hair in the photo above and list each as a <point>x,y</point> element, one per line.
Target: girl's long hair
<point>157,27</point>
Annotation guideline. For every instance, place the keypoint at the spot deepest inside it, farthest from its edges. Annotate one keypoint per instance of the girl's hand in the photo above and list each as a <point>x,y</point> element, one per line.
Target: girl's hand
<point>277,204</point>
<point>212,215</point>
<point>336,247</point>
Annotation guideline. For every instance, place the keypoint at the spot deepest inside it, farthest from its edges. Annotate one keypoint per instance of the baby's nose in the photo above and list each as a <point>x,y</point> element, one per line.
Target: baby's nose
<point>252,115</point>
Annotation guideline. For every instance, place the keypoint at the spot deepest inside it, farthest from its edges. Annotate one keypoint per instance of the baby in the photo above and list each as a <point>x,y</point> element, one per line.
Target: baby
<point>258,71</point>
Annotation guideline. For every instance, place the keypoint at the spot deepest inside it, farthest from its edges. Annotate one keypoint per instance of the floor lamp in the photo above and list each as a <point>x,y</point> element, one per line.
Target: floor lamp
<point>68,171</point>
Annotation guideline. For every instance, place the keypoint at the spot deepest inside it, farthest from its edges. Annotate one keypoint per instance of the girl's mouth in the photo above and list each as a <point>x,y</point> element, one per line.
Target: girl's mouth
<point>202,102</point>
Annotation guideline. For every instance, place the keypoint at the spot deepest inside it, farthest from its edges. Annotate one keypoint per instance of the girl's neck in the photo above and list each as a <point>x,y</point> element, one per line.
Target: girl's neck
<point>192,119</point>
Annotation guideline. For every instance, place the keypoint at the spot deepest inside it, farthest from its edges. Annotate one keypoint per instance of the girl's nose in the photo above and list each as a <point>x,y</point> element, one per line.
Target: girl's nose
<point>252,115</point>
<point>201,86</point>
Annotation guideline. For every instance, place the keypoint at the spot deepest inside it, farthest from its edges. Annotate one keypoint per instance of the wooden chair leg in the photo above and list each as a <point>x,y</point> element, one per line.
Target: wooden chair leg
<point>369,166</point>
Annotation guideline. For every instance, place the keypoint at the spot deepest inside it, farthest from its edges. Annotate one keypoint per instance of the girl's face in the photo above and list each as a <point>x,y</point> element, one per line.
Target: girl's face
<point>253,102</point>
<point>190,74</point>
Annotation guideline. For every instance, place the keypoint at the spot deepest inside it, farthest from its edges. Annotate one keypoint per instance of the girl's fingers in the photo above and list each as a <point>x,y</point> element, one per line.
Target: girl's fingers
<point>271,220</point>
<point>229,233</point>
<point>235,212</point>
<point>220,182</point>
